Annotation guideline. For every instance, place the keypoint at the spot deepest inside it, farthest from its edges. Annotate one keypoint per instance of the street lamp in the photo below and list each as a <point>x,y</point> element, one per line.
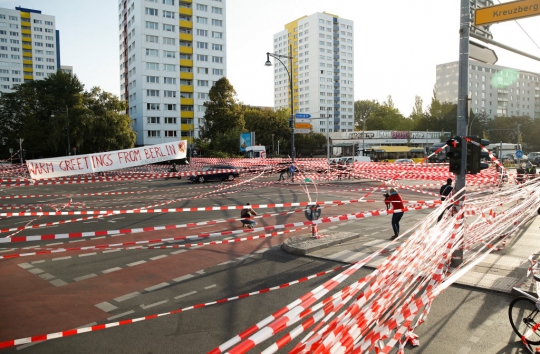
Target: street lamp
<point>289,72</point>
<point>67,126</point>
<point>273,151</point>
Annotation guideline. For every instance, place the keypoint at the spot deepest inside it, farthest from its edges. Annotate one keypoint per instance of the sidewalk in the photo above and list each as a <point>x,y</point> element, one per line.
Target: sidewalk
<point>500,271</point>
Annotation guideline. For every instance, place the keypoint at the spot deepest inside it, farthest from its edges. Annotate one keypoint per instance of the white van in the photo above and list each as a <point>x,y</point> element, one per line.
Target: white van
<point>351,159</point>
<point>256,151</point>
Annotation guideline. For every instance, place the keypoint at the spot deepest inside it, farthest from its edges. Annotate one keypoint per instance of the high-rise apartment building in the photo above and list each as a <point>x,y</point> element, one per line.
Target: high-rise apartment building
<point>322,70</point>
<point>171,53</point>
<point>29,46</point>
<point>495,90</point>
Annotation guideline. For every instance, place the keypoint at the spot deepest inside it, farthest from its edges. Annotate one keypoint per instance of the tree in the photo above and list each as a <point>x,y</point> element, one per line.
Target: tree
<point>41,112</point>
<point>362,112</point>
<point>266,122</point>
<point>223,112</point>
<point>418,111</point>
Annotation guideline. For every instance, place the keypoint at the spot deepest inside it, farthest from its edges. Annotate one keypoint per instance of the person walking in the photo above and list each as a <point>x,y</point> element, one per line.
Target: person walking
<point>394,199</point>
<point>246,214</point>
<point>445,191</point>
<point>282,172</point>
<point>292,170</point>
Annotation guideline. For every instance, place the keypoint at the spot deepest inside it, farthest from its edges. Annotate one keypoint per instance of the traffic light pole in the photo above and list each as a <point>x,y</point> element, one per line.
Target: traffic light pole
<point>463,88</point>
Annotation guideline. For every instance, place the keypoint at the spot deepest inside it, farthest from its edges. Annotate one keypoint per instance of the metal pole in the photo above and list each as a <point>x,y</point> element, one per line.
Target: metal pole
<point>292,102</point>
<point>278,147</point>
<point>327,141</point>
<point>273,150</point>
<point>463,88</point>
<point>364,137</point>
<point>20,152</point>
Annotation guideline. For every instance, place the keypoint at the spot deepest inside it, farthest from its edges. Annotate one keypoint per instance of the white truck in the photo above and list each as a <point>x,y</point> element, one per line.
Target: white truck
<point>351,159</point>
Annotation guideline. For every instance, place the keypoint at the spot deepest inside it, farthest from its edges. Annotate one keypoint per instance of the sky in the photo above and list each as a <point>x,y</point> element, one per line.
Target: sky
<point>397,43</point>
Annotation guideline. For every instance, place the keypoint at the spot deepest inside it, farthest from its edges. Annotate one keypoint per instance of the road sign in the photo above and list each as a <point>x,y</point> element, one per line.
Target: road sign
<point>482,53</point>
<point>506,12</point>
<point>302,125</point>
<point>305,115</point>
<point>302,120</point>
<point>519,154</point>
<point>302,131</point>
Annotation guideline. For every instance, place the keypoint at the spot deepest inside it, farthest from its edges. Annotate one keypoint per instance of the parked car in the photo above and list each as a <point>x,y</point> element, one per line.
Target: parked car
<point>216,173</point>
<point>534,158</point>
<point>508,157</point>
<point>402,161</point>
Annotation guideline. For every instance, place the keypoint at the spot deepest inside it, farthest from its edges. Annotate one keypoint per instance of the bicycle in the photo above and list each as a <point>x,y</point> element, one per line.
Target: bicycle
<point>524,314</point>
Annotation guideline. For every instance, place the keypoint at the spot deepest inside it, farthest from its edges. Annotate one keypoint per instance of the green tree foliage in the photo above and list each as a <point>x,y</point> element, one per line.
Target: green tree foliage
<point>362,112</point>
<point>309,144</point>
<point>223,112</point>
<point>38,112</point>
<point>266,122</point>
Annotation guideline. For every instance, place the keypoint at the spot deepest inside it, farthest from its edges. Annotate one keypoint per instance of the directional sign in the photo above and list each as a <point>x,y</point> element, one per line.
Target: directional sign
<point>482,53</point>
<point>302,126</point>
<point>305,115</point>
<point>303,120</point>
<point>302,131</point>
<point>519,154</point>
<point>506,12</point>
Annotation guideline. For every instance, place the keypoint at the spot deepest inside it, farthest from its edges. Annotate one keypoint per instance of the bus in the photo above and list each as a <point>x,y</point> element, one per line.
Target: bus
<point>392,153</point>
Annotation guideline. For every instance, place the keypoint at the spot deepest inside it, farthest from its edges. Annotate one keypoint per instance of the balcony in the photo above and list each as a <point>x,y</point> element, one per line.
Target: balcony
<point>185,11</point>
<point>186,50</point>
<point>186,88</point>
<point>187,114</point>
<point>186,37</point>
<point>186,24</point>
<point>187,101</point>
<point>186,62</point>
<point>186,75</point>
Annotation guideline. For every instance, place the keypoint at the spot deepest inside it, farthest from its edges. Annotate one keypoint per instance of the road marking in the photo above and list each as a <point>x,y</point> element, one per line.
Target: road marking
<point>127,296</point>
<point>25,265</point>
<point>36,271</point>
<point>158,286</point>
<point>184,295</point>
<point>110,251</point>
<point>105,306</point>
<point>463,350</point>
<point>61,258</point>
<point>40,261</point>
<point>46,276</point>
<point>135,263</point>
<point>210,286</point>
<point>179,251</point>
<point>110,270</point>
<point>154,304</point>
<point>183,277</point>
<point>58,282</point>
<point>158,257</point>
<point>54,244</point>
<point>76,241</point>
<point>227,262</point>
<point>84,277</point>
<point>120,315</point>
<point>87,254</point>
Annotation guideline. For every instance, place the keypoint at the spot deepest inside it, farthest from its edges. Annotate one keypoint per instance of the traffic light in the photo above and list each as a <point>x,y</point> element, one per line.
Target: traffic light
<point>291,123</point>
<point>475,154</point>
<point>454,154</point>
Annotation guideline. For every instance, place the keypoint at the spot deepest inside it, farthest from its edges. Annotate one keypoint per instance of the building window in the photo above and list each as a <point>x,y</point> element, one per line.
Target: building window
<point>217,59</point>
<point>217,72</point>
<point>152,25</point>
<point>201,7</point>
<point>202,83</point>
<point>152,66</point>
<point>169,67</point>
<point>202,33</point>
<point>151,12</point>
<point>217,10</point>
<point>152,52</point>
<point>168,2</point>
<point>170,107</point>
<point>152,106</point>
<point>152,93</point>
<point>169,54</point>
<point>217,34</point>
<point>152,120</point>
<point>202,45</point>
<point>154,133</point>
<point>152,39</point>
<point>168,14</point>
<point>169,80</point>
<point>167,40</point>
<point>202,20</point>
<point>218,47</point>
<point>169,93</point>
<point>218,23</point>
<point>201,57</point>
<point>170,120</point>
<point>170,133</point>
<point>202,70</point>
<point>168,28</point>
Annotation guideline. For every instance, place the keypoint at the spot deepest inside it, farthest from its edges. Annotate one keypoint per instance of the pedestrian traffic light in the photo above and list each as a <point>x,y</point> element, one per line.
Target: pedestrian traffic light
<point>475,154</point>
<point>454,154</point>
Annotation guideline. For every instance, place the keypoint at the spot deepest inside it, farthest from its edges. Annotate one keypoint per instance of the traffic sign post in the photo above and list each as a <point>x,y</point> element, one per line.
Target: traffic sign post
<point>313,212</point>
<point>482,53</point>
<point>506,12</point>
<point>302,115</point>
<point>519,154</point>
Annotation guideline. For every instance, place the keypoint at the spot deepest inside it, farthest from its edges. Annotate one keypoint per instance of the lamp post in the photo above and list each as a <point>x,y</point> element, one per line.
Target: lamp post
<point>67,127</point>
<point>289,73</point>
<point>273,151</point>
<point>364,136</point>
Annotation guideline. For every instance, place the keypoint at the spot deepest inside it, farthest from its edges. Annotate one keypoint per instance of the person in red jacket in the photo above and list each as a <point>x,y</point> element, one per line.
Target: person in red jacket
<point>394,199</point>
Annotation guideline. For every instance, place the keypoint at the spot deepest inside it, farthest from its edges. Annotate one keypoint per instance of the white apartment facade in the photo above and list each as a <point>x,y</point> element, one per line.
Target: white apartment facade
<point>29,46</point>
<point>322,70</point>
<point>495,90</point>
<point>171,54</point>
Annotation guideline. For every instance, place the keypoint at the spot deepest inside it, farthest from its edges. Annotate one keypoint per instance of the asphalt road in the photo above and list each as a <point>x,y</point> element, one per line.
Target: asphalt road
<point>54,292</point>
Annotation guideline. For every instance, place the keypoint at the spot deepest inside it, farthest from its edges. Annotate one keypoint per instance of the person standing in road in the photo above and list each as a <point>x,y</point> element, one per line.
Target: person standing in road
<point>281,173</point>
<point>395,200</point>
<point>445,191</point>
<point>292,170</point>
